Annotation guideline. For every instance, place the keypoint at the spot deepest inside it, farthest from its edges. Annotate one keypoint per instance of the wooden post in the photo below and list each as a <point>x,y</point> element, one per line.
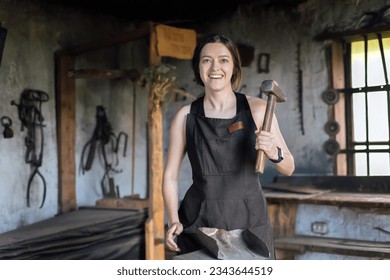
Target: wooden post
<point>339,108</point>
<point>154,228</point>
<point>66,134</point>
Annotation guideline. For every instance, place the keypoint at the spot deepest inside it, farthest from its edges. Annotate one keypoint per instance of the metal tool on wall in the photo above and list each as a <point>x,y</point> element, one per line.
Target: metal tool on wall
<point>103,135</point>
<point>300,88</point>
<point>331,127</point>
<point>3,36</point>
<point>30,114</point>
<point>6,122</point>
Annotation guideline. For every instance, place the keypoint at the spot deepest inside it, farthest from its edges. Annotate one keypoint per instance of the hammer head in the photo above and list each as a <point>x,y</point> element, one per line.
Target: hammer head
<point>271,87</point>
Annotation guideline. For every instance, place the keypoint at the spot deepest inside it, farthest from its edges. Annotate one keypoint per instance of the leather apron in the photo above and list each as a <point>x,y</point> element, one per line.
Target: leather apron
<point>226,192</point>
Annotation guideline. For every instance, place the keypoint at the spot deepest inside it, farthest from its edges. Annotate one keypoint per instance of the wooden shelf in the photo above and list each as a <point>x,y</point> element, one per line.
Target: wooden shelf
<point>301,244</point>
<point>332,198</point>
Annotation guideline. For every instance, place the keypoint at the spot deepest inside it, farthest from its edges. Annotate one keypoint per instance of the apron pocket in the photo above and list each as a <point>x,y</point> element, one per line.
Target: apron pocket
<point>221,156</point>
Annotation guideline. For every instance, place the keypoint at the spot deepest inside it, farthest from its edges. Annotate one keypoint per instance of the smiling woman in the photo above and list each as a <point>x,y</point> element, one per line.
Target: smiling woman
<point>220,133</point>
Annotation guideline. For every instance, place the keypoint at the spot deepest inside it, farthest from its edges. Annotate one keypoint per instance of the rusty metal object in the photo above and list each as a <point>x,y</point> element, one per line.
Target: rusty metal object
<point>6,122</point>
<point>330,96</point>
<point>234,244</point>
<point>332,127</point>
<point>331,147</point>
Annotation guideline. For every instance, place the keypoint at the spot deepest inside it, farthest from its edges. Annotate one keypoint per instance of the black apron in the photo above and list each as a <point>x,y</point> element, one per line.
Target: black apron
<point>226,191</point>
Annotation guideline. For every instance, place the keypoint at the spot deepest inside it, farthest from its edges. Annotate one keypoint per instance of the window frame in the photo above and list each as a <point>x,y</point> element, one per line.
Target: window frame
<point>342,110</point>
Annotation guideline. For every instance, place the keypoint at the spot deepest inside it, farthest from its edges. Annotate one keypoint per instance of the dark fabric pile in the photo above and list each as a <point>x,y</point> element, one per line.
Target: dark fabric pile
<point>85,234</point>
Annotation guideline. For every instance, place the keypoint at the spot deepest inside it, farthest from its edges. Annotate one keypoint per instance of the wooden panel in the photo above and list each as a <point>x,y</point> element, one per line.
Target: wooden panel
<point>124,203</point>
<point>282,217</point>
<point>98,74</point>
<point>339,108</point>
<point>66,134</point>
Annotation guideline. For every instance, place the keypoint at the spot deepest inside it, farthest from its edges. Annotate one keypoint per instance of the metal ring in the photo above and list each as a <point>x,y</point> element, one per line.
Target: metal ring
<point>6,121</point>
<point>331,147</point>
<point>330,96</point>
<point>332,127</point>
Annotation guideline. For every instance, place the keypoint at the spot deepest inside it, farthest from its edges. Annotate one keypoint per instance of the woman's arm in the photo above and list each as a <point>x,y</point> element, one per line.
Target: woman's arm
<point>176,152</point>
<point>270,141</point>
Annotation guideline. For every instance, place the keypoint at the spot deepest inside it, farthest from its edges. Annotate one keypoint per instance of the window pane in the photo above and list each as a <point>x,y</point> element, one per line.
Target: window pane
<point>379,164</point>
<point>359,116</point>
<point>357,61</point>
<point>379,147</point>
<point>375,73</point>
<point>378,127</point>
<point>361,164</point>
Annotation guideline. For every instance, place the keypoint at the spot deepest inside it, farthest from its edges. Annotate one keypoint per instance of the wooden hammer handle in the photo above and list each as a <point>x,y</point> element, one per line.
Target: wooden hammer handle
<point>269,112</point>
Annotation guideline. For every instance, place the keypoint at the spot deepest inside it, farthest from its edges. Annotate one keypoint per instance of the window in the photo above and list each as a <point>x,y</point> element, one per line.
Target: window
<point>366,103</point>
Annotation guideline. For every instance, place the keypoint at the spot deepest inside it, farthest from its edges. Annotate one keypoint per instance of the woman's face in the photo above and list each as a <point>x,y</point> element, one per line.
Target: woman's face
<point>216,66</point>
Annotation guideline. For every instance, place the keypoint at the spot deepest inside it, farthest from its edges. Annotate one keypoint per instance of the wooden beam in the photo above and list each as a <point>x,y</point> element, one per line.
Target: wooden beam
<point>155,231</point>
<point>98,74</point>
<point>66,135</point>
<point>122,38</point>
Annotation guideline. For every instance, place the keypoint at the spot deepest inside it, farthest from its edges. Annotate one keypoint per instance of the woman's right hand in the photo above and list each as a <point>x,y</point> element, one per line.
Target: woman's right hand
<point>174,230</point>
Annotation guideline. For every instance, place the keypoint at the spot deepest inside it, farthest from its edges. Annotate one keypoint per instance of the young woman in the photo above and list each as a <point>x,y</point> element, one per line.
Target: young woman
<point>221,133</point>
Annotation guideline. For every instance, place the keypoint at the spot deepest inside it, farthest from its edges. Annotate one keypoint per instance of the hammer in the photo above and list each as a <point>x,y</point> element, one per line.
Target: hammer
<point>275,94</point>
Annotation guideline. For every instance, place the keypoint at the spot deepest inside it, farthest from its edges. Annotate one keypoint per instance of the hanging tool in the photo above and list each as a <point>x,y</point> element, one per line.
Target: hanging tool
<point>275,94</point>
<point>6,122</point>
<point>3,36</point>
<point>29,109</point>
<point>102,136</point>
<point>300,89</point>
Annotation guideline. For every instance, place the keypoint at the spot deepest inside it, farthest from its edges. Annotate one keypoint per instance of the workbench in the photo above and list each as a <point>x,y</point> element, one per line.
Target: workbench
<point>330,217</point>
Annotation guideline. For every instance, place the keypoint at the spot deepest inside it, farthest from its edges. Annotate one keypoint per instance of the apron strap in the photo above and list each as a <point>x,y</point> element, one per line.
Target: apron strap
<point>242,102</point>
<point>198,109</point>
<point>197,106</point>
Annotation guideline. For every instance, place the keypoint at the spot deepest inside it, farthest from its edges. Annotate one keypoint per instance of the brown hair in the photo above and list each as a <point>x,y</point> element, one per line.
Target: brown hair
<point>231,46</point>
